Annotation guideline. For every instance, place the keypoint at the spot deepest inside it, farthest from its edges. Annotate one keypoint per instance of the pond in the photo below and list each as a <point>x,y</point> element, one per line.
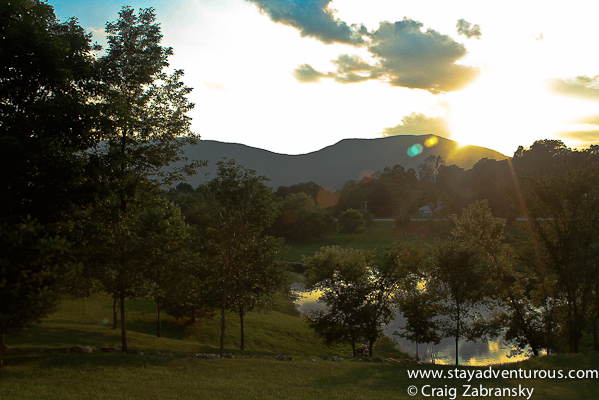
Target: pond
<point>492,352</point>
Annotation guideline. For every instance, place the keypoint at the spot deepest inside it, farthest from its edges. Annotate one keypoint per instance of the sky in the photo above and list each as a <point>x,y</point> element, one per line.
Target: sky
<point>295,76</point>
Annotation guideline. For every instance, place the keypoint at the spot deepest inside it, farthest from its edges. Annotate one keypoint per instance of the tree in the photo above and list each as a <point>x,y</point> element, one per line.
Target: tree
<point>458,281</point>
<point>146,127</point>
<point>47,124</point>
<point>478,229</point>
<point>32,266</point>
<point>315,224</point>
<point>162,238</point>
<point>359,294</point>
<point>418,305</point>
<point>341,275</point>
<point>242,206</point>
<point>262,276</point>
<point>351,221</point>
<point>429,169</point>
<point>563,223</point>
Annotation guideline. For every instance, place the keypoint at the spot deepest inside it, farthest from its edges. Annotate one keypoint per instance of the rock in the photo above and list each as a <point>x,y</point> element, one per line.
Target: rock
<point>229,356</point>
<point>284,358</point>
<point>314,359</point>
<point>376,359</point>
<point>87,350</point>
<point>365,359</point>
<point>76,349</point>
<point>65,350</point>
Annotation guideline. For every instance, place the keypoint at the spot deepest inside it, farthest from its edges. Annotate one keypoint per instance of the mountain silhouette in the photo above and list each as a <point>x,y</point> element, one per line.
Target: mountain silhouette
<point>332,166</point>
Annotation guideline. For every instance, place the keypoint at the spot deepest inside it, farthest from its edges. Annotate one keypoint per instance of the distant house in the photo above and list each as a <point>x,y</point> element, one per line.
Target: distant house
<point>427,211</point>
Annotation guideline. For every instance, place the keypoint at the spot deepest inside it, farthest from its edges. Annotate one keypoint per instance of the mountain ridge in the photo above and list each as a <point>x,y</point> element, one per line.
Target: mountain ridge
<point>336,164</point>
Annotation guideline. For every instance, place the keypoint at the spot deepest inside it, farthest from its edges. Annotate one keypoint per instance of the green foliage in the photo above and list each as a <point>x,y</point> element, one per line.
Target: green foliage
<point>316,224</point>
<point>359,295</point>
<point>32,267</point>
<point>46,127</point>
<point>241,207</point>
<point>563,211</point>
<point>351,221</point>
<point>310,188</point>
<point>46,82</point>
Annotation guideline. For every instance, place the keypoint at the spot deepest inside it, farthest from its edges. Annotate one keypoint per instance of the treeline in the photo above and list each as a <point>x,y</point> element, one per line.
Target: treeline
<point>539,289</point>
<point>84,139</point>
<point>398,193</point>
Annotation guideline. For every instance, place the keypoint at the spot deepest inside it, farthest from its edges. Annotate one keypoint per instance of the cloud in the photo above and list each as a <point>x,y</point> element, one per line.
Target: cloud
<point>405,56</point>
<point>419,124</point>
<point>312,18</point>
<point>466,28</point>
<point>305,73</point>
<point>581,86</point>
<point>585,132</point>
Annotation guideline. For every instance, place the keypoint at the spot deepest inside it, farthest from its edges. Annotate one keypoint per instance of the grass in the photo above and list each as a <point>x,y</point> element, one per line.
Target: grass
<point>35,368</point>
<point>377,235</point>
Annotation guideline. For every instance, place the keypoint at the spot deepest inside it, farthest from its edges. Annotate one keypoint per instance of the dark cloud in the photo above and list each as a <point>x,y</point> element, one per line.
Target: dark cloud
<point>419,124</point>
<point>405,56</point>
<point>420,60</point>
<point>312,18</point>
<point>581,86</point>
<point>467,29</point>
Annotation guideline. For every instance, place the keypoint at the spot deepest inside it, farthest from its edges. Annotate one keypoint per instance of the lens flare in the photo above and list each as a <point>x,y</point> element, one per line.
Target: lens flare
<point>415,150</point>
<point>327,197</point>
<point>431,141</point>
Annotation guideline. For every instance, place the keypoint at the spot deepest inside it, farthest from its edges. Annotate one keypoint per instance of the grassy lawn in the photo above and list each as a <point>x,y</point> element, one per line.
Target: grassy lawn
<point>379,234</point>
<point>35,368</point>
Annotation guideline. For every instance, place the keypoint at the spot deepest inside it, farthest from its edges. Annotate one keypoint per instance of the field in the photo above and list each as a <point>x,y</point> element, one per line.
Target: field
<point>377,235</point>
<point>35,367</point>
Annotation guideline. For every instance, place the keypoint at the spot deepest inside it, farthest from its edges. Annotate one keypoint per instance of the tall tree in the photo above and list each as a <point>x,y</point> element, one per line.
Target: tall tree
<point>147,123</point>
<point>241,206</point>
<point>563,221</point>
<point>458,280</point>
<point>46,126</point>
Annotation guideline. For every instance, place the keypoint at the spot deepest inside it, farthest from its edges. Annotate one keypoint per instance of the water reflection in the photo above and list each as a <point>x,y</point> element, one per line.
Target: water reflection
<point>476,354</point>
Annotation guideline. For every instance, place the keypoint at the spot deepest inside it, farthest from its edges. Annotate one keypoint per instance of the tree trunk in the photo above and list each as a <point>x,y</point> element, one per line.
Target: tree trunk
<point>193,316</point>
<point>123,324</point>
<point>1,349</point>
<point>457,337</point>
<point>242,332</point>
<point>158,317</point>
<point>115,311</point>
<point>222,322</point>
<point>417,358</point>
<point>370,347</point>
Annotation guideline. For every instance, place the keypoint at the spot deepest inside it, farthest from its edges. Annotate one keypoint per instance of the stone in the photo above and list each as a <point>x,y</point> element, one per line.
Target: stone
<point>87,350</point>
<point>376,359</point>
